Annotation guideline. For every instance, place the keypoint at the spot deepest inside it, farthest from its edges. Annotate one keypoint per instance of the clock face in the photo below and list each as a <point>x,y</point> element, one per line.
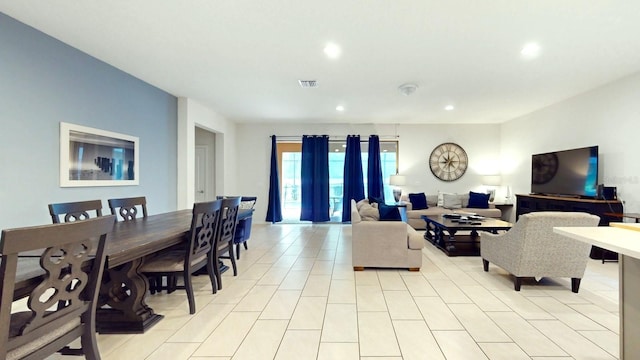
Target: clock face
<point>448,161</point>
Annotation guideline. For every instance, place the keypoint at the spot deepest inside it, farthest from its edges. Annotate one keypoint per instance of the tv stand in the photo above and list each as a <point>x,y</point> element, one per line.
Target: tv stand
<point>602,208</point>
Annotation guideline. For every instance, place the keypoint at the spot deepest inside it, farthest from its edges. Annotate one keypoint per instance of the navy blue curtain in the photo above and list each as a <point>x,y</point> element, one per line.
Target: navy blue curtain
<point>375,186</point>
<point>315,178</point>
<point>353,178</point>
<point>274,210</point>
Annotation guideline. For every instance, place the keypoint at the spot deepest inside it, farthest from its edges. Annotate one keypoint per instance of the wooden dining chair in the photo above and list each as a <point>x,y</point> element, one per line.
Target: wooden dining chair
<point>226,234</point>
<point>198,254</point>
<point>71,264</point>
<point>128,207</point>
<point>243,228</point>
<point>74,211</point>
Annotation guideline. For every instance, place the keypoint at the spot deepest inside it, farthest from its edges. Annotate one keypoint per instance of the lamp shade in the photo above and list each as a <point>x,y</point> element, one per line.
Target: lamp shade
<point>492,180</point>
<point>397,180</point>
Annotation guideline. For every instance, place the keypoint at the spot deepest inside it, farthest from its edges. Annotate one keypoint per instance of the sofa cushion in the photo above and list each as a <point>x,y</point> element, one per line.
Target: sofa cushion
<point>389,213</point>
<point>369,213</point>
<point>478,200</point>
<point>451,201</point>
<point>418,201</point>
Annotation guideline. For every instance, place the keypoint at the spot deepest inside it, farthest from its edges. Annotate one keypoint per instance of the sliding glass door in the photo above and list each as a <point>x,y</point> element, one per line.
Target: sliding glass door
<point>289,159</point>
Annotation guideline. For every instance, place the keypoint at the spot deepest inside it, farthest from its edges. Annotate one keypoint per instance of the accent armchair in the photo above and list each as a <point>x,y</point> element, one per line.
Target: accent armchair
<point>531,248</point>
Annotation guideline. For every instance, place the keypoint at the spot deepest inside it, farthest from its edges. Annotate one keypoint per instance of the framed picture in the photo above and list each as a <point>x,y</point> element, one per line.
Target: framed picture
<point>93,157</point>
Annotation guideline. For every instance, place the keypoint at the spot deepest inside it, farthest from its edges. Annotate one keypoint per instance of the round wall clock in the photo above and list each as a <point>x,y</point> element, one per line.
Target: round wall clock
<point>448,161</point>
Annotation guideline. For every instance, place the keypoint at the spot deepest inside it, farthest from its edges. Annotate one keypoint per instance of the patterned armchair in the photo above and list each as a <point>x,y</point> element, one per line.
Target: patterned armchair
<point>531,248</point>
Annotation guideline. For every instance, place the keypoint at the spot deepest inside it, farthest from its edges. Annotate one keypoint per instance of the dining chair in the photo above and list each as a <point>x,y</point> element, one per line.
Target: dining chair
<point>226,234</point>
<point>74,211</point>
<point>128,207</point>
<point>198,254</point>
<point>71,265</point>
<point>243,228</point>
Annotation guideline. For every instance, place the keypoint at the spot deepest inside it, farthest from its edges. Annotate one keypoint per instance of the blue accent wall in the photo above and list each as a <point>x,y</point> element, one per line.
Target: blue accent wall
<point>43,82</point>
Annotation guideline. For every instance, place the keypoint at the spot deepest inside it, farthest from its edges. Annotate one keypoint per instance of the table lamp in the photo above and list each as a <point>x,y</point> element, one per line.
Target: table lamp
<point>397,181</point>
<point>491,182</point>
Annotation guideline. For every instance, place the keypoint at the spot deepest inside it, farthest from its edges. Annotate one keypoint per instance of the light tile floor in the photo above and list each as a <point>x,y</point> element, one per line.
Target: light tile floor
<point>297,297</point>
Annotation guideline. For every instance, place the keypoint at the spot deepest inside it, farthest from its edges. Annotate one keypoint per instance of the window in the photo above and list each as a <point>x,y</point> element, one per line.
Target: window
<point>290,157</point>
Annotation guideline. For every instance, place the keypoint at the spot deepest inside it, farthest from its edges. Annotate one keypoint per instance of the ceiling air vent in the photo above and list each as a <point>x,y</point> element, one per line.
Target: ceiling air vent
<point>308,83</point>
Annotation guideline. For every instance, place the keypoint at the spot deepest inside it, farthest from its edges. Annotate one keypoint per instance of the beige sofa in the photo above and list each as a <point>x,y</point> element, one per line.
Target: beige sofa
<point>384,244</point>
<point>414,217</point>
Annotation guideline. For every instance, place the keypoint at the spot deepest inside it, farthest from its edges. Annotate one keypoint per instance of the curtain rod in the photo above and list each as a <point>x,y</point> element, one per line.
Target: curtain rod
<point>334,137</point>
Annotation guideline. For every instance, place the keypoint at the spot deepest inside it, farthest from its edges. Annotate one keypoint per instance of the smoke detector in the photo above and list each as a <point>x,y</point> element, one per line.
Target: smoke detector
<point>308,83</point>
<point>408,89</point>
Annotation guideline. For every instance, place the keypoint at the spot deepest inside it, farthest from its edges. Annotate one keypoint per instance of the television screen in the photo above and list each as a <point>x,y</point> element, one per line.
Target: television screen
<point>567,172</point>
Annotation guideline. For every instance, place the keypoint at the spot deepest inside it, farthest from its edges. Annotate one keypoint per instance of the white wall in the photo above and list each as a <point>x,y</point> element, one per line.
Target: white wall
<point>607,116</point>
<point>191,114</point>
<point>416,142</point>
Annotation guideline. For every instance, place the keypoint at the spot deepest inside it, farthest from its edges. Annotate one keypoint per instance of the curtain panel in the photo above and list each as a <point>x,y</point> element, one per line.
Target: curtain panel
<point>315,178</point>
<point>375,185</point>
<point>274,209</point>
<point>353,176</point>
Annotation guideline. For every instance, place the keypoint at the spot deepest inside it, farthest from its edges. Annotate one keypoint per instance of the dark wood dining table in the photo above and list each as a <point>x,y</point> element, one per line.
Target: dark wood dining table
<point>124,287</point>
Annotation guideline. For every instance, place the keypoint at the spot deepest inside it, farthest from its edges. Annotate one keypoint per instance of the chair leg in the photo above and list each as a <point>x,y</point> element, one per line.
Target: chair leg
<point>517,282</point>
<point>216,271</point>
<point>232,257</point>
<point>189,287</point>
<point>212,275</point>
<point>575,284</point>
<point>485,265</point>
<point>245,245</point>
<point>238,251</point>
<point>88,340</point>
<point>172,283</point>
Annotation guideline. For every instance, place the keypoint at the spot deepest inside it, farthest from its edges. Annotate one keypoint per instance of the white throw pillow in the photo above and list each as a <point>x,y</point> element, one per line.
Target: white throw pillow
<point>451,201</point>
<point>369,213</point>
<point>441,197</point>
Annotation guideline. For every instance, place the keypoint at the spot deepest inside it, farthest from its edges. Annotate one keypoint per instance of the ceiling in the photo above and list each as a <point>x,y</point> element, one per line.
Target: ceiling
<point>244,58</point>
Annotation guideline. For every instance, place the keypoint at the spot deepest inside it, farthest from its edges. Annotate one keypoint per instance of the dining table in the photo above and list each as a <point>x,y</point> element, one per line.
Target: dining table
<point>122,307</point>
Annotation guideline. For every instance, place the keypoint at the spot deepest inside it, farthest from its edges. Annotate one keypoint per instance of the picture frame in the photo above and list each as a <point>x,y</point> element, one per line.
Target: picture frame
<point>94,157</point>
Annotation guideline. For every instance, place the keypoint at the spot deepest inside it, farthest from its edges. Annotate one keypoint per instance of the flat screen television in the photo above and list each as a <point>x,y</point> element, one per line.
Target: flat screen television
<point>571,172</point>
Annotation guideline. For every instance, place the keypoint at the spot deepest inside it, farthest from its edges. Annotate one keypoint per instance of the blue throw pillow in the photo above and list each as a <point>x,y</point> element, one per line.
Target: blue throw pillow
<point>478,200</point>
<point>418,201</point>
<point>389,213</point>
<point>373,200</point>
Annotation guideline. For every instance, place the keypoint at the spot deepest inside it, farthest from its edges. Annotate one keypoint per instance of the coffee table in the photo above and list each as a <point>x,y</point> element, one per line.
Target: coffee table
<point>441,232</point>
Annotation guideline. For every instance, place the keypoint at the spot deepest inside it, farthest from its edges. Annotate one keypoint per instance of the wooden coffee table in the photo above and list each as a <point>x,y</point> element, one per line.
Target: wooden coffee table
<point>442,231</point>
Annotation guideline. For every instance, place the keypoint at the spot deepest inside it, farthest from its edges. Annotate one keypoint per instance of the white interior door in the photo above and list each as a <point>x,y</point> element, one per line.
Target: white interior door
<point>201,174</point>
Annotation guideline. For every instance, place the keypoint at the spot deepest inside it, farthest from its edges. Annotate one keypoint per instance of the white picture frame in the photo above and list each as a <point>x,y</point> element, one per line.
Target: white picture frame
<point>94,157</point>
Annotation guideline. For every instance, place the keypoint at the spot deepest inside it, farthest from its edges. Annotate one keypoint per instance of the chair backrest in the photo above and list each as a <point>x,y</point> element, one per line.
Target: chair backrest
<point>74,211</point>
<point>62,302</point>
<point>541,247</point>
<point>204,228</point>
<point>230,207</point>
<point>128,207</point>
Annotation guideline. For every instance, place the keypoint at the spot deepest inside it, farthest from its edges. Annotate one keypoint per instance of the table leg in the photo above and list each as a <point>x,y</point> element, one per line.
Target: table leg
<point>123,289</point>
<point>451,243</point>
<point>629,288</point>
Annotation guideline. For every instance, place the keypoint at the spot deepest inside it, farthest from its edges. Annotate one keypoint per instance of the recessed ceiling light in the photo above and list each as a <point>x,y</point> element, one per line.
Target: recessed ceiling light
<point>340,108</point>
<point>336,150</point>
<point>449,107</point>
<point>332,50</point>
<point>530,50</point>
<point>344,145</point>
